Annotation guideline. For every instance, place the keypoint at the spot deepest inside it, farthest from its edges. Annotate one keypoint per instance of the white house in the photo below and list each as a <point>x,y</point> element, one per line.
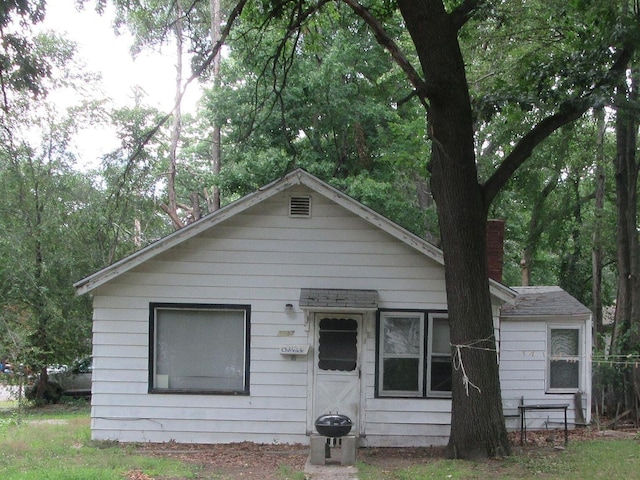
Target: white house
<point>296,301</point>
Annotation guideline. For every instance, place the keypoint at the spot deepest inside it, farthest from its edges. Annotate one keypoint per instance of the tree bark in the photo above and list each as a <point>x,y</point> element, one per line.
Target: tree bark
<point>172,207</point>
<point>625,336</point>
<point>216,146</point>
<point>535,229</point>
<point>596,252</point>
<point>477,422</point>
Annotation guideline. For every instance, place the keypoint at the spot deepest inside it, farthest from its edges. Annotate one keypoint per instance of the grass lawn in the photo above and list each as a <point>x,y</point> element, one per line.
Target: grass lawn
<point>55,444</point>
<point>605,459</point>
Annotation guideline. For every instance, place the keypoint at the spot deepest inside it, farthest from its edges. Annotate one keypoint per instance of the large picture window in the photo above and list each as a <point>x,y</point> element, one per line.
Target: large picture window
<point>414,354</point>
<point>563,359</point>
<point>199,349</point>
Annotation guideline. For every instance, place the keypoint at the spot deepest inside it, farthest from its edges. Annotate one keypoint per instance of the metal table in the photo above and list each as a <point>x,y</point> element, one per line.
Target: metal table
<point>548,406</point>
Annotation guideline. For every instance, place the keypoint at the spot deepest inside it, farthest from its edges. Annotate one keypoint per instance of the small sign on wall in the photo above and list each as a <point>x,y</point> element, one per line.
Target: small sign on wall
<point>294,349</point>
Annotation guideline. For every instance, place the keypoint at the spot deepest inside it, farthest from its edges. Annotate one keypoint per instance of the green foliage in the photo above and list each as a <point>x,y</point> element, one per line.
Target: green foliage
<point>44,209</point>
<point>531,57</point>
<point>22,68</point>
<point>322,105</point>
<point>131,180</point>
<point>548,207</point>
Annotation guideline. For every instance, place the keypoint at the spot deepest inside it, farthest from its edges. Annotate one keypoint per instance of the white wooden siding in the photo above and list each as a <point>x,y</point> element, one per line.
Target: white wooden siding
<point>260,257</point>
<point>523,370</point>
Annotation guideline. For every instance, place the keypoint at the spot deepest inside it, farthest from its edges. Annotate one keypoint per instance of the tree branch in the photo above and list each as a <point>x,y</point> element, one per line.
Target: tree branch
<point>390,45</point>
<point>224,34</point>
<point>567,113</point>
<point>461,15</point>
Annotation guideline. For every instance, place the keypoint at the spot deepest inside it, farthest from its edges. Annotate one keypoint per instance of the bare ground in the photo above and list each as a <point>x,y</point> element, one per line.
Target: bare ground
<point>250,461</point>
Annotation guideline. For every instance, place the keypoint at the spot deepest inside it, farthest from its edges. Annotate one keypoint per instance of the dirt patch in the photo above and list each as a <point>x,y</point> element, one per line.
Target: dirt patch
<point>48,421</point>
<point>250,461</point>
<point>393,458</point>
<point>245,460</point>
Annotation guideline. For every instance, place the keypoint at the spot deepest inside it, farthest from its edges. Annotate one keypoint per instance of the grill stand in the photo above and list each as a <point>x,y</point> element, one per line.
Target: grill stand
<point>323,447</point>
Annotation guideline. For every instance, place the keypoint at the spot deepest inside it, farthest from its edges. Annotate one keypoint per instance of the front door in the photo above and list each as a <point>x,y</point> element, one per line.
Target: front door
<point>337,366</point>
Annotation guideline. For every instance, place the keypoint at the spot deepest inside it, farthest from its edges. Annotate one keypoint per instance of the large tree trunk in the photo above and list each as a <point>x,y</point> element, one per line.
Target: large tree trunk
<point>626,336</point>
<point>477,423</point>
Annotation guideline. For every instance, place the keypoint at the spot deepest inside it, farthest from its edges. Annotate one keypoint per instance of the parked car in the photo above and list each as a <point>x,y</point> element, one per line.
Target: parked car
<point>56,368</point>
<point>74,380</point>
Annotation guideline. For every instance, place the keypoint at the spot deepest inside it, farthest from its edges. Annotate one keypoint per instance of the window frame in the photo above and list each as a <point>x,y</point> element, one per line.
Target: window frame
<point>577,358</point>
<point>155,306</point>
<point>431,355</point>
<point>425,355</point>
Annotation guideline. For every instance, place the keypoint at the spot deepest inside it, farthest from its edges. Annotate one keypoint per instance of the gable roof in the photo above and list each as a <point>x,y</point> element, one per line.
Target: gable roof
<point>543,300</point>
<point>294,178</point>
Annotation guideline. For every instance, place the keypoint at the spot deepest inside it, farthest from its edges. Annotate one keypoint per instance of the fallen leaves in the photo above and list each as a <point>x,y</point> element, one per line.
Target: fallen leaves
<point>137,475</point>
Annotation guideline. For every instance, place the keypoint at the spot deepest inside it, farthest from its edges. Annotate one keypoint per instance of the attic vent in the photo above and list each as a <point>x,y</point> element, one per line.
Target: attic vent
<point>300,206</point>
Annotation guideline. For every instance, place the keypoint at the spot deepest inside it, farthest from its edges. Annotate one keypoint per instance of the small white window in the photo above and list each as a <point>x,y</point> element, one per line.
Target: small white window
<point>563,359</point>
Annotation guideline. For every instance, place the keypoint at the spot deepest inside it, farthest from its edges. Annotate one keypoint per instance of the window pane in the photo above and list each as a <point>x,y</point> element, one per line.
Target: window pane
<point>564,342</point>
<point>401,374</point>
<point>338,348</point>
<point>441,342</point>
<point>402,336</point>
<point>441,374</point>
<point>564,374</point>
<point>200,349</point>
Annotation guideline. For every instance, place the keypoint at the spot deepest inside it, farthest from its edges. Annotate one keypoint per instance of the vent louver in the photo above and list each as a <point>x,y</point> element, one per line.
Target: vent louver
<point>300,207</point>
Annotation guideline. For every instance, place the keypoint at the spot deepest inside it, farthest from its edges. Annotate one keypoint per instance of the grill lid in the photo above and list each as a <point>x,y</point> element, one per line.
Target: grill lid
<point>333,425</point>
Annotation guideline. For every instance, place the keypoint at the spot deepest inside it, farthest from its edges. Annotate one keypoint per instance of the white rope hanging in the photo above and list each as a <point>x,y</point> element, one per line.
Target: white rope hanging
<point>459,365</point>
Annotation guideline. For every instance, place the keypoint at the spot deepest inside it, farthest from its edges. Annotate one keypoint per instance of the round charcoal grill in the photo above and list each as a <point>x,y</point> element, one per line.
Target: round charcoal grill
<point>333,425</point>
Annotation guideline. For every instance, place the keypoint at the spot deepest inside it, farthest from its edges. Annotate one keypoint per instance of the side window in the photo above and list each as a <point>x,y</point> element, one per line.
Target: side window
<point>199,349</point>
<point>563,354</point>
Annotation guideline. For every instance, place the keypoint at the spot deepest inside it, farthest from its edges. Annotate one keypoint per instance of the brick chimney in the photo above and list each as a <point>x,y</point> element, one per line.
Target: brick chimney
<point>495,248</point>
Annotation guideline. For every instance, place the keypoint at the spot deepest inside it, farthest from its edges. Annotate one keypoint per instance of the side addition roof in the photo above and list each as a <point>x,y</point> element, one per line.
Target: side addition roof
<point>543,300</point>
<point>294,178</point>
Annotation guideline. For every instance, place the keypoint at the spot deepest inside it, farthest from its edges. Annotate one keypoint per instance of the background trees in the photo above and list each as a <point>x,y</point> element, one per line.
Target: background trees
<point>43,215</point>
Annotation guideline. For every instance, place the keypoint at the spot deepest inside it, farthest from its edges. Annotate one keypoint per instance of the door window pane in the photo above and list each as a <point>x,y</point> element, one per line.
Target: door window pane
<point>338,344</point>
